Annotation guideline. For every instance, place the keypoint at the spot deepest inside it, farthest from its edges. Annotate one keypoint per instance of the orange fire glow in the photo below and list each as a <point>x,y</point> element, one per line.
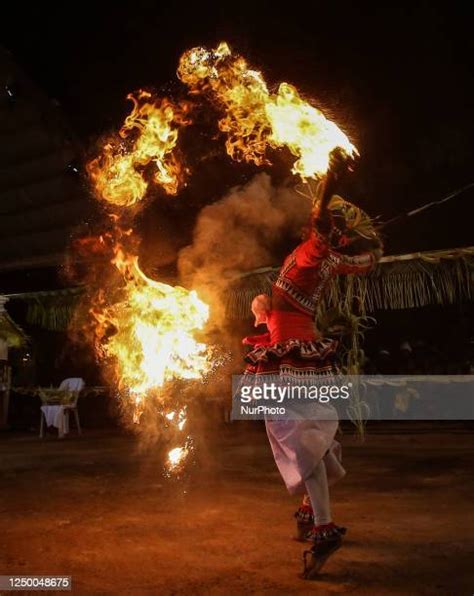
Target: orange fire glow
<point>176,457</point>
<point>255,118</point>
<point>145,329</point>
<point>148,136</point>
<point>154,327</point>
<point>152,341</point>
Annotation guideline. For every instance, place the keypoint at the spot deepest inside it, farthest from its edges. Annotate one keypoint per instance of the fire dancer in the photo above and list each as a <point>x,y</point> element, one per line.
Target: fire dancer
<point>305,451</point>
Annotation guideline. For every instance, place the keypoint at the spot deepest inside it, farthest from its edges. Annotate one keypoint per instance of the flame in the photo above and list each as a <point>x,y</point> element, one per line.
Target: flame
<point>148,136</point>
<point>242,92</point>
<point>147,330</point>
<point>256,119</point>
<point>307,133</point>
<point>148,333</point>
<point>176,457</point>
<point>180,416</point>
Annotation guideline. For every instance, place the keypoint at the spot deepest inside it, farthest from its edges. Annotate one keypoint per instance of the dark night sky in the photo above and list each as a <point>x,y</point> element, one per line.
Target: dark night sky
<point>397,76</point>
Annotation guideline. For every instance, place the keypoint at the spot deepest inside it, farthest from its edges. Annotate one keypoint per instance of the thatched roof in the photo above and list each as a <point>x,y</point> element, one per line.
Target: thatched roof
<point>398,281</point>
<point>41,199</point>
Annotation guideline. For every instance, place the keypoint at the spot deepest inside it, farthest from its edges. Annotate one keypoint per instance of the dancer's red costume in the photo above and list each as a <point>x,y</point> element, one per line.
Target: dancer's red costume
<point>293,346</point>
<point>307,456</point>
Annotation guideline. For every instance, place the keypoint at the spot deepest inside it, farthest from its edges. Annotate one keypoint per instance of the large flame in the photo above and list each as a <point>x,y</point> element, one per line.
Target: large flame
<point>145,330</point>
<point>148,136</point>
<point>255,118</point>
<point>153,331</point>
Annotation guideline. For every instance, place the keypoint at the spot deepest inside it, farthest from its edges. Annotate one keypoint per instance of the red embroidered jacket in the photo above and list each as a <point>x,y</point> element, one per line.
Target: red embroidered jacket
<point>308,269</point>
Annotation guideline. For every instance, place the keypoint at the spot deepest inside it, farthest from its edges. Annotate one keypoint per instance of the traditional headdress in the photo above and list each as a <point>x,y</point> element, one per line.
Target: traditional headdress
<point>350,223</point>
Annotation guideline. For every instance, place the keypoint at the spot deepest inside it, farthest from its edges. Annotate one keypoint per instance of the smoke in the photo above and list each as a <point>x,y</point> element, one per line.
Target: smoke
<point>241,232</point>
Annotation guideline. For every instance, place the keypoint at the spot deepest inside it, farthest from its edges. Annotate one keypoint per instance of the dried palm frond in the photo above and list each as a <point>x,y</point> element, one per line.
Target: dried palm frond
<point>358,224</point>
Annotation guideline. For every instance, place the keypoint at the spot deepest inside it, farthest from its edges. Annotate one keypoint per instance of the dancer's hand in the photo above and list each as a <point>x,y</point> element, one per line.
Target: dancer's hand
<point>323,222</point>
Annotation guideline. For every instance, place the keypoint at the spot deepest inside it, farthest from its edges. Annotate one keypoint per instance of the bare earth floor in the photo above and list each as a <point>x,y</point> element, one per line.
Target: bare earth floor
<point>98,509</point>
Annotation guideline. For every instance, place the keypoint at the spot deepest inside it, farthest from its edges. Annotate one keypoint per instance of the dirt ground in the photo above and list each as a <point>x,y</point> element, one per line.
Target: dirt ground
<point>97,508</point>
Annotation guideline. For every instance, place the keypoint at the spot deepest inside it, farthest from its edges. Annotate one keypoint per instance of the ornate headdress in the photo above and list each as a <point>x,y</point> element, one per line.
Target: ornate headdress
<point>351,223</point>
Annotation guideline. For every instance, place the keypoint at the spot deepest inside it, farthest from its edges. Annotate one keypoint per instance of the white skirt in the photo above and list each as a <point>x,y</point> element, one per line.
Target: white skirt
<point>299,445</point>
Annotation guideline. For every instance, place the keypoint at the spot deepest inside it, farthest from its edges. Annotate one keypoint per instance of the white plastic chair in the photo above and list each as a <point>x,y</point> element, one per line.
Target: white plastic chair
<point>75,386</point>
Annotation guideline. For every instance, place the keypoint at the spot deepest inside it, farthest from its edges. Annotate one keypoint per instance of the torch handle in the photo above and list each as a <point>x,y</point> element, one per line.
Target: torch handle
<point>328,186</point>
<point>338,166</point>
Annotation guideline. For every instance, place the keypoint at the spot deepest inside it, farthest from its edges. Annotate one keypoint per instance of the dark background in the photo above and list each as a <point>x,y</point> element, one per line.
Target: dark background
<point>397,76</point>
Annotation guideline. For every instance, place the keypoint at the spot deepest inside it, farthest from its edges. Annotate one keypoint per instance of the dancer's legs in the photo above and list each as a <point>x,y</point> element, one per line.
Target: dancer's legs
<point>318,491</point>
<point>326,536</point>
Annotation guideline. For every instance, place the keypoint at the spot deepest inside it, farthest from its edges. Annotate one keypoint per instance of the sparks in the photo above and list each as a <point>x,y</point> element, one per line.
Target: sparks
<point>176,457</point>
